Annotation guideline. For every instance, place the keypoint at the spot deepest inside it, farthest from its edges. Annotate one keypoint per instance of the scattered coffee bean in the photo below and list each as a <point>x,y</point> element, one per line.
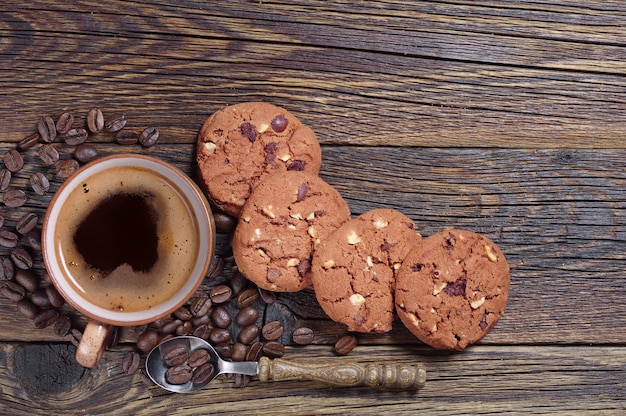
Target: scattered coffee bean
<point>54,297</point>
<point>345,344</point>
<point>302,336</point>
<point>247,316</point>
<point>64,122</point>
<point>216,267</point>
<point>200,305</point>
<point>62,325</point>
<point>238,282</point>
<point>183,313</point>
<point>85,152</point>
<point>267,296</point>
<point>130,362</point>
<point>47,129</point>
<point>139,329</point>
<point>220,317</point>
<point>29,141</point>
<point>272,330</point>
<point>66,167</point>
<point>95,120</point>
<point>77,136</point>
<point>199,357</point>
<point>171,326</point>
<point>13,160</point>
<point>33,239</point>
<point>12,291</point>
<point>224,223</point>
<point>202,331</point>
<point>26,223</point>
<point>180,374</point>
<point>39,183</point>
<point>247,297</point>
<point>161,322</point>
<point>8,239</point>
<point>203,374</point>
<point>46,318</point>
<point>21,258</point>
<point>176,356</point>
<point>248,334</point>
<point>127,137</point>
<point>184,329</point>
<point>27,308</point>
<point>5,179</point>
<point>224,349</point>
<point>239,351</point>
<point>273,349</point>
<point>220,294</point>
<point>148,340</point>
<point>14,198</point>
<point>149,137</point>
<point>219,336</point>
<point>48,154</point>
<point>7,271</point>
<point>40,298</point>
<point>28,279</point>
<point>115,123</point>
<point>255,351</point>
<point>145,379</point>
<point>197,321</point>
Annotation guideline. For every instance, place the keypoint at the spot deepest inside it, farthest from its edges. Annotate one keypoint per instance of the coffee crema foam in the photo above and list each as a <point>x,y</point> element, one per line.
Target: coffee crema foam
<point>124,289</point>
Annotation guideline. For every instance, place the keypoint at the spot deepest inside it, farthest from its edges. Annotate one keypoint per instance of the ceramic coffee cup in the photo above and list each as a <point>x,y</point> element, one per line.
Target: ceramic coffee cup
<point>126,240</point>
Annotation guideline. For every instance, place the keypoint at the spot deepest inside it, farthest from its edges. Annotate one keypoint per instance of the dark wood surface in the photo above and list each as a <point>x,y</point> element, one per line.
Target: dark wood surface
<point>504,118</point>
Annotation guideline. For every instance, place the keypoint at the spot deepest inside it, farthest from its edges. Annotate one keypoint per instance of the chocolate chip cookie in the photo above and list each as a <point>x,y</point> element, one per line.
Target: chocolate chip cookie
<point>452,288</point>
<point>241,144</point>
<point>285,218</point>
<point>354,269</point>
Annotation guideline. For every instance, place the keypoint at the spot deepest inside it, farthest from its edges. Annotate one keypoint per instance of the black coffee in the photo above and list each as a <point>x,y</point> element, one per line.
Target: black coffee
<point>122,229</point>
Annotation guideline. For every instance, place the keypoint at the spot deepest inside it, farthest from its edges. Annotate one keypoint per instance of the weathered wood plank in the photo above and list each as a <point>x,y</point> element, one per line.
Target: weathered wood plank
<point>481,380</point>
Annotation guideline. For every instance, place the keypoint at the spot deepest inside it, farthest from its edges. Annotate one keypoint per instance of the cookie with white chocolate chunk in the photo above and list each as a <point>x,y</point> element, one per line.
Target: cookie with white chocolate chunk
<point>283,221</point>
<point>243,143</point>
<point>452,288</point>
<point>354,269</point>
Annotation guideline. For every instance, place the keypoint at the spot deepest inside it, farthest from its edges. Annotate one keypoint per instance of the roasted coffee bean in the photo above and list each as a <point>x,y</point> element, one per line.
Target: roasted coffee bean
<point>176,356</point>
<point>127,137</point>
<point>224,223</point>
<point>247,297</point>
<point>27,223</point>
<point>48,154</point>
<point>21,258</point>
<point>8,239</point>
<point>75,336</point>
<point>64,122</point>
<point>199,357</point>
<point>13,160</point>
<point>200,305</point>
<point>27,308</point>
<point>203,374</point>
<point>220,294</point>
<point>54,297</point>
<point>148,340</point>
<point>180,374</point>
<point>273,349</point>
<point>77,136</point>
<point>5,179</point>
<point>183,313</point>
<point>197,321</point>
<point>219,335</point>
<point>170,327</point>
<point>345,344</point>
<point>40,298</point>
<point>39,183</point>
<point>130,362</point>
<point>115,123</point>
<point>7,271</point>
<point>202,331</point>
<point>242,380</point>
<point>184,329</point>
<point>149,137</point>
<point>46,318</point>
<point>47,129</point>
<point>247,316</point>
<point>139,329</point>
<point>220,317</point>
<point>239,351</point>
<point>12,291</point>
<point>302,335</point>
<point>224,349</point>
<point>267,296</point>
<point>29,141</point>
<point>165,338</point>
<point>238,282</point>
<point>216,267</point>
<point>85,152</point>
<point>65,168</point>
<point>161,322</point>
<point>272,330</point>
<point>255,351</point>
<point>248,334</point>
<point>62,325</point>
<point>14,198</point>
<point>33,239</point>
<point>28,279</point>
<point>145,379</point>
<point>95,120</point>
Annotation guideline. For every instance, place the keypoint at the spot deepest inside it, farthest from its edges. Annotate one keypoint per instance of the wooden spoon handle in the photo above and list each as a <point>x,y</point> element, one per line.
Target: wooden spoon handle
<point>398,376</point>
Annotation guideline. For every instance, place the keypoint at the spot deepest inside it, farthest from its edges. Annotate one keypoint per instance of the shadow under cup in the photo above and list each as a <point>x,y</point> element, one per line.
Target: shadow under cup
<point>100,209</point>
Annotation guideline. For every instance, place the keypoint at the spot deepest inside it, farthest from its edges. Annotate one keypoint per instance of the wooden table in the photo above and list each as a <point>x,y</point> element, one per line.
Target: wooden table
<point>504,118</point>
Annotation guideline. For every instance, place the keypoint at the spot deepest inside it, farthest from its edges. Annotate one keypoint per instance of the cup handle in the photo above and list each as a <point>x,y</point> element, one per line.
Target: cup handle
<point>93,343</point>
